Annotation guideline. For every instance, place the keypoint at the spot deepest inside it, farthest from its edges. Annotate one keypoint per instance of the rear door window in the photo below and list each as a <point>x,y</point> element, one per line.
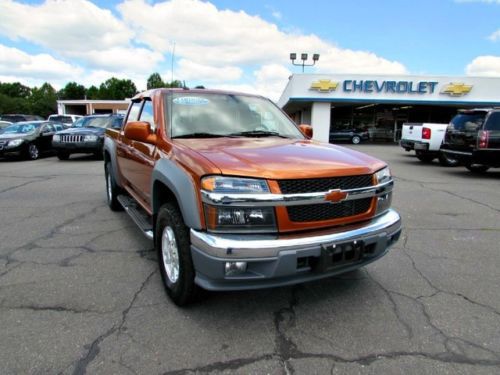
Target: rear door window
<point>493,122</point>
<point>468,121</point>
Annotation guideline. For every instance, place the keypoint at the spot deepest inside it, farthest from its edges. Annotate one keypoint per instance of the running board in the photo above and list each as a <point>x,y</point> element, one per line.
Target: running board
<point>142,220</point>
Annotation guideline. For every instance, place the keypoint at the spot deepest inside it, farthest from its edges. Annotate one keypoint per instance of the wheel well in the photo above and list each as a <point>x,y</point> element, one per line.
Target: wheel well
<point>161,195</point>
<point>107,157</point>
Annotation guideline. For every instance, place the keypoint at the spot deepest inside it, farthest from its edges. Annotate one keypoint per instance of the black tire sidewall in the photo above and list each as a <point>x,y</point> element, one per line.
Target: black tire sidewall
<point>184,289</point>
<point>62,155</point>
<point>112,201</point>
<point>446,161</point>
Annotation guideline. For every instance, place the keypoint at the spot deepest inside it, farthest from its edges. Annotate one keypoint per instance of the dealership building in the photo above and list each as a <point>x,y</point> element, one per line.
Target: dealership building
<point>381,103</point>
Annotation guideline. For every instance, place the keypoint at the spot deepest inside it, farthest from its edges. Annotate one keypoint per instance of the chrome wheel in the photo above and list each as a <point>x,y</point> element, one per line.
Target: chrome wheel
<point>33,152</point>
<point>108,187</point>
<point>170,254</point>
<point>356,140</point>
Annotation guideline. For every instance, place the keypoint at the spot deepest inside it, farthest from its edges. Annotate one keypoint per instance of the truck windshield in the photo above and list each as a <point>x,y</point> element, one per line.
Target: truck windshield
<point>198,115</point>
<point>468,121</point>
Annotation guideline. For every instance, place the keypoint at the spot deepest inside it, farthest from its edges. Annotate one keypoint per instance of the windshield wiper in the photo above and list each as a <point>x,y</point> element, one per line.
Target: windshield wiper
<point>258,133</point>
<point>199,135</point>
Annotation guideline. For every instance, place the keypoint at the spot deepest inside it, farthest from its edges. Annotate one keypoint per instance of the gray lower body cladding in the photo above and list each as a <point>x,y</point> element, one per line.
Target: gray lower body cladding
<point>289,260</point>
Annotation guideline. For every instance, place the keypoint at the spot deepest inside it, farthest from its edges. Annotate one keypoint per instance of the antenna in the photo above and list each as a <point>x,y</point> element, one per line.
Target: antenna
<point>172,65</point>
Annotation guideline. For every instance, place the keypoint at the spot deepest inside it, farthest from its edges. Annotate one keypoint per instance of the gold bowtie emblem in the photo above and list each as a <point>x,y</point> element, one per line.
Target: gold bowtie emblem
<point>456,89</point>
<point>324,85</point>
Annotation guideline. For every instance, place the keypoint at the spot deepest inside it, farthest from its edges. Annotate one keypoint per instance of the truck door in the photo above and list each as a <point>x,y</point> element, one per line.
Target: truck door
<point>136,159</point>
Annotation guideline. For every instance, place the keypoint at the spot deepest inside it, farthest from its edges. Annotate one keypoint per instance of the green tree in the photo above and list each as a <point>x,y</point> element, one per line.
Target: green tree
<point>155,81</point>
<point>92,93</point>
<point>15,90</point>
<point>174,83</point>
<point>72,90</point>
<point>43,100</point>
<point>117,89</point>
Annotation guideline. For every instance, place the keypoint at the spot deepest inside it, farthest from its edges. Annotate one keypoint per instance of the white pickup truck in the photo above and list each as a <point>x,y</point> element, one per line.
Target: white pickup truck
<point>426,139</point>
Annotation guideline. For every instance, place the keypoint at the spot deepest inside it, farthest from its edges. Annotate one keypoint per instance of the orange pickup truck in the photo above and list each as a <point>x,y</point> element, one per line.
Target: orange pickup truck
<point>236,196</point>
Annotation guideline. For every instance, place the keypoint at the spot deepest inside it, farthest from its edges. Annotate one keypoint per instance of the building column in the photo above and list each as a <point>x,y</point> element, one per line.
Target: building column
<point>320,121</point>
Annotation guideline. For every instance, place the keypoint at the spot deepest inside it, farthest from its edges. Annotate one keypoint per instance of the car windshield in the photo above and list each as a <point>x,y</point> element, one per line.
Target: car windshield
<point>92,122</point>
<point>468,121</point>
<point>198,115</point>
<point>21,128</point>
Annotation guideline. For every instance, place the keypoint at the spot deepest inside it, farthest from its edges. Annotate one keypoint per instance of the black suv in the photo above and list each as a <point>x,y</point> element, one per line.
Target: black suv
<point>473,138</point>
<point>85,136</point>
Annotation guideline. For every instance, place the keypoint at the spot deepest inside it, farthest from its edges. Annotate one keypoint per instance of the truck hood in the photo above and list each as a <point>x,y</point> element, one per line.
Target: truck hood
<point>83,130</point>
<point>278,158</point>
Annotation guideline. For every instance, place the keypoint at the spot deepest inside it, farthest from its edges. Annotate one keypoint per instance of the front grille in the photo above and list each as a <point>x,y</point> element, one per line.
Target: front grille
<point>312,185</point>
<point>3,143</point>
<point>72,138</point>
<point>328,211</point>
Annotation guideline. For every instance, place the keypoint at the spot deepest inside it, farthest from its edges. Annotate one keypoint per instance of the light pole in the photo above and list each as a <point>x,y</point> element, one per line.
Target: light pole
<point>303,57</point>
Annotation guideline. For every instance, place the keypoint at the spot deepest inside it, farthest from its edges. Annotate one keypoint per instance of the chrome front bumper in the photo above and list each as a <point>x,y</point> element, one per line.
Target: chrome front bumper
<point>273,259</point>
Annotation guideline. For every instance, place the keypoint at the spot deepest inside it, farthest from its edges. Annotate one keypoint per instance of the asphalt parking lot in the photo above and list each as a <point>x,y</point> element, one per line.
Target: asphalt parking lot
<point>80,291</point>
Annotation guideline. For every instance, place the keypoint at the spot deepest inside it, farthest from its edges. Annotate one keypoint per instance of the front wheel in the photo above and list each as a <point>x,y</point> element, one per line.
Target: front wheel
<point>447,161</point>
<point>112,190</point>
<point>63,155</point>
<point>173,247</point>
<point>33,151</point>
<point>477,168</point>
<point>356,139</point>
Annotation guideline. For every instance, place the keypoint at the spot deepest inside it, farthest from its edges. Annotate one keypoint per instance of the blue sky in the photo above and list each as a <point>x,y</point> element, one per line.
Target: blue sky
<point>244,44</point>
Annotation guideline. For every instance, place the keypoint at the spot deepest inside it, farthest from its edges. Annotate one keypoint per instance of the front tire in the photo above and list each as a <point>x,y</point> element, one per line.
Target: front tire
<point>477,168</point>
<point>112,190</point>
<point>62,155</point>
<point>173,247</point>
<point>356,140</point>
<point>33,152</point>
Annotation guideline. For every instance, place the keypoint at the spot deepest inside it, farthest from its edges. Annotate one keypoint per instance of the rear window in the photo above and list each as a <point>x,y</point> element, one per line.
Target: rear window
<point>64,119</point>
<point>493,122</point>
<point>468,121</point>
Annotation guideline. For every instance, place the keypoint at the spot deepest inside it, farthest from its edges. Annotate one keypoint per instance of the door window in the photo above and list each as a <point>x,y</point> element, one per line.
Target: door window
<point>493,122</point>
<point>147,114</point>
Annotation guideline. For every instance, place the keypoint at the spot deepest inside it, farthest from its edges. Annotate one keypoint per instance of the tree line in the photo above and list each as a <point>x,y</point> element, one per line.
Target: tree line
<point>18,98</point>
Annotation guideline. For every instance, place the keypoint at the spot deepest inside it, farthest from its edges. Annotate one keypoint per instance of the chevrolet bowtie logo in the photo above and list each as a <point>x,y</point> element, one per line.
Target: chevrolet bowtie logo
<point>324,85</point>
<point>456,89</point>
<point>335,196</point>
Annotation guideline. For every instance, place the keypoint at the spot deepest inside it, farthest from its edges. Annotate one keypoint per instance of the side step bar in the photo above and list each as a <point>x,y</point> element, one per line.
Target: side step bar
<point>142,220</point>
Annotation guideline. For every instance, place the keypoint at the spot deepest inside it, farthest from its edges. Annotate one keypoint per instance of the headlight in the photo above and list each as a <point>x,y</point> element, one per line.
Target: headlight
<point>220,184</point>
<point>90,138</point>
<point>15,143</point>
<point>234,219</point>
<point>56,138</point>
<point>383,175</point>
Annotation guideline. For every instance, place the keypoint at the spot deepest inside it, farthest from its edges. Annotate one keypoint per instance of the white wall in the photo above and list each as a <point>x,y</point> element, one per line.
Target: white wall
<point>320,120</point>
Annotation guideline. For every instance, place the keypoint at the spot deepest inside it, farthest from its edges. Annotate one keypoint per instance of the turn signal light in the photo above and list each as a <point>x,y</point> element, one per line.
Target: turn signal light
<point>426,133</point>
<point>484,138</point>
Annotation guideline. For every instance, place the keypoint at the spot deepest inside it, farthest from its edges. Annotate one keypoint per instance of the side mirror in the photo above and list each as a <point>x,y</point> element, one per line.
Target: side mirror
<point>307,130</point>
<point>139,131</point>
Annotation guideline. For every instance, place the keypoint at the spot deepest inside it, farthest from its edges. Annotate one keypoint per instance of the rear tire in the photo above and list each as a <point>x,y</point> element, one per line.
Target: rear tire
<point>61,155</point>
<point>424,157</point>
<point>173,247</point>
<point>32,151</point>
<point>477,168</point>
<point>356,140</point>
<point>112,190</point>
<point>447,161</point>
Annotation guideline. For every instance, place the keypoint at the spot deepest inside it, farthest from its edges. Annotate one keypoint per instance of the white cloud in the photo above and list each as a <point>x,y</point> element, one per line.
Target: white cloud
<point>41,66</point>
<point>488,66</point>
<point>190,70</point>
<point>495,36</point>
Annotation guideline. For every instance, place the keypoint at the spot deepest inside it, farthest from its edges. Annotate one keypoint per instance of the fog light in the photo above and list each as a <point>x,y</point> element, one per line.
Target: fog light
<point>235,268</point>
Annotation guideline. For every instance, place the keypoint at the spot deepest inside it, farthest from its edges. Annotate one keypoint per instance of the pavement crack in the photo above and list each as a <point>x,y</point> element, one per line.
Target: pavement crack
<point>50,308</point>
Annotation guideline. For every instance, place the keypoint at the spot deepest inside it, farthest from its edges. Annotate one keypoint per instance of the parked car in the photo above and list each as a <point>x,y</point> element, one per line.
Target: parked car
<point>65,119</point>
<point>473,138</point>
<point>426,139</point>
<point>19,118</point>
<point>354,136</point>
<point>381,133</point>
<point>85,136</point>
<point>27,138</point>
<point>4,124</point>
<point>235,196</point>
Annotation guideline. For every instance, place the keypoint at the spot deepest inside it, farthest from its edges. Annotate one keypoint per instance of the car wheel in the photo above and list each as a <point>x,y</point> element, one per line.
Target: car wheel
<point>356,140</point>
<point>477,168</point>
<point>112,190</point>
<point>33,151</point>
<point>173,246</point>
<point>61,155</point>
<point>98,155</point>
<point>447,161</point>
<point>424,157</point>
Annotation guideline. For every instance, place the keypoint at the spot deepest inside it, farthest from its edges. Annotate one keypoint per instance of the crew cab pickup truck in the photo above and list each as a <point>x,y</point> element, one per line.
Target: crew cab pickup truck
<point>236,196</point>
<point>473,137</point>
<point>426,139</point>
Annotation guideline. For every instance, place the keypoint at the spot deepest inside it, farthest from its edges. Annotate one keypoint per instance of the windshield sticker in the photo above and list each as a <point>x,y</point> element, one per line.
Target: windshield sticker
<point>191,100</point>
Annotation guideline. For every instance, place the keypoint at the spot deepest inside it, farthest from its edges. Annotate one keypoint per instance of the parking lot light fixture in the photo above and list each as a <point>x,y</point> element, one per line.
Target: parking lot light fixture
<point>303,58</point>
